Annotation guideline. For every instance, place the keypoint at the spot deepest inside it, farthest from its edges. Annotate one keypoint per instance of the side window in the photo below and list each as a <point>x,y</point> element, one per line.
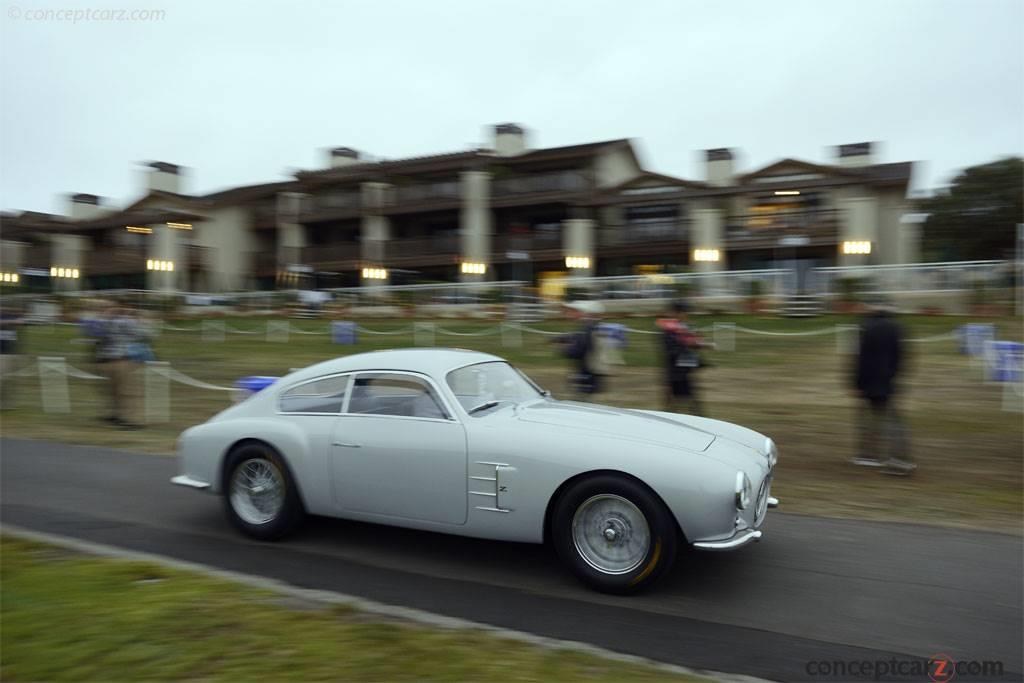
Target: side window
<point>319,396</point>
<point>382,393</point>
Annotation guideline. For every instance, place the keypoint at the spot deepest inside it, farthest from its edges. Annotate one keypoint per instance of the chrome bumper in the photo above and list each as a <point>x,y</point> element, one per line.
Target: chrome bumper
<point>738,541</point>
<point>185,480</point>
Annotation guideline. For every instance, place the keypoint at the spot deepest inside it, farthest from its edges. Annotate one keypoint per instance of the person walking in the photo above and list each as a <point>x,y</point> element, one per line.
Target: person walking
<point>682,359</point>
<point>584,346</point>
<point>879,363</point>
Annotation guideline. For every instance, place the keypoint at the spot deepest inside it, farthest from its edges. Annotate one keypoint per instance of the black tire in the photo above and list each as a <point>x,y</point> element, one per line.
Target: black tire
<point>662,532</point>
<point>290,511</point>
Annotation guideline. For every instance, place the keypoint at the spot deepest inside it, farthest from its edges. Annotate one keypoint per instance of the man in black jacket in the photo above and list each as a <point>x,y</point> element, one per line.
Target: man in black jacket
<point>880,361</point>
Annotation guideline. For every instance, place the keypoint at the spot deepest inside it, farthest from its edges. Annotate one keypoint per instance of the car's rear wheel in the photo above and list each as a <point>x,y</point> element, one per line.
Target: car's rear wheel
<point>614,533</point>
<point>260,497</point>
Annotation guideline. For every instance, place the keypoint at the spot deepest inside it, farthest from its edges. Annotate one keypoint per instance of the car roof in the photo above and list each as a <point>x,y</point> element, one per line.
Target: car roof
<point>436,362</point>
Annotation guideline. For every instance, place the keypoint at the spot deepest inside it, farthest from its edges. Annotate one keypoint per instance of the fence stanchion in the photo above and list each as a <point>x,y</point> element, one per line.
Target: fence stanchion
<point>277,330</point>
<point>847,339</point>
<point>511,335</point>
<point>158,392</point>
<point>53,384</point>
<point>1013,396</point>
<point>724,336</point>
<point>423,334</point>
<point>213,330</point>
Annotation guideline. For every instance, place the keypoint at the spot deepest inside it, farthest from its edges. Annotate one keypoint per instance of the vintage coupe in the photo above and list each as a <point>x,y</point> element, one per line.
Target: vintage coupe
<point>463,443</point>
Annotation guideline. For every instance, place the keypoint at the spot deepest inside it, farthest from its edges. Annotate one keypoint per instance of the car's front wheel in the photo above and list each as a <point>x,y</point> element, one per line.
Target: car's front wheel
<point>260,497</point>
<point>614,533</point>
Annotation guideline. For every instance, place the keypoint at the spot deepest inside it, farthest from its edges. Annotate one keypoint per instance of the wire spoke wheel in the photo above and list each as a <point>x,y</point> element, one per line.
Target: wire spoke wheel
<point>257,491</point>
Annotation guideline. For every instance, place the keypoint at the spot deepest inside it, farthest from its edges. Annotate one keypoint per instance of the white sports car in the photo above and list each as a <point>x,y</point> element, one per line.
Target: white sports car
<point>463,443</point>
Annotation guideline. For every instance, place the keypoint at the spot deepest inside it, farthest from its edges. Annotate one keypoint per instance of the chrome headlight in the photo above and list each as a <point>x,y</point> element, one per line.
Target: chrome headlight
<point>743,491</point>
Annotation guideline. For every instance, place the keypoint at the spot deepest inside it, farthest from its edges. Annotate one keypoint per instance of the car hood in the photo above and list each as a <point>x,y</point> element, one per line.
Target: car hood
<point>632,425</point>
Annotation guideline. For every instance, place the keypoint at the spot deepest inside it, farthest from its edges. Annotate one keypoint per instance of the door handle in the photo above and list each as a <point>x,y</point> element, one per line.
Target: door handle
<point>347,445</point>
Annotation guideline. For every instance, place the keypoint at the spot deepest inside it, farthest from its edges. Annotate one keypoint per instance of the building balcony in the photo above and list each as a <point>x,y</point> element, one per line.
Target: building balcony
<point>117,260</point>
<point>264,216</point>
<point>785,228</point>
<point>337,254</point>
<point>330,206</point>
<point>37,256</point>
<point>539,246</point>
<point>538,187</point>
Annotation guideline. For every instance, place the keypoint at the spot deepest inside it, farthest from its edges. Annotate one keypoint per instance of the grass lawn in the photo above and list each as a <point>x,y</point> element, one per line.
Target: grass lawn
<point>75,617</point>
<point>793,388</point>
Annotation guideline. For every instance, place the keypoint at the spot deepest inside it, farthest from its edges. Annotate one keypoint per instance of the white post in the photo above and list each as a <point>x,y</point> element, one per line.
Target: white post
<point>53,385</point>
<point>423,334</point>
<point>724,336</point>
<point>511,335</point>
<point>847,339</point>
<point>158,392</point>
<point>213,330</point>
<point>277,330</point>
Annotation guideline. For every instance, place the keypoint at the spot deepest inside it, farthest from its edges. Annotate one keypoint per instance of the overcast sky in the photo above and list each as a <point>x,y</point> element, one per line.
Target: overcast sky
<point>244,92</point>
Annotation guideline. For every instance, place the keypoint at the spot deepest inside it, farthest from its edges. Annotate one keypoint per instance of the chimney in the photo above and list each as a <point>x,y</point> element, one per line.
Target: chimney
<point>509,139</point>
<point>856,154</point>
<point>84,206</point>
<point>164,177</point>
<point>343,156</point>
<point>718,166</point>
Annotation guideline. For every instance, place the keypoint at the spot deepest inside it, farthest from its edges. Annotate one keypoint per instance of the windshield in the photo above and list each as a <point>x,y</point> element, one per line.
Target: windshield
<point>476,385</point>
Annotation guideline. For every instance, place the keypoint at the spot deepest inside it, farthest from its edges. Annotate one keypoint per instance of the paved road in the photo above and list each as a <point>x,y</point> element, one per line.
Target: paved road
<point>814,589</point>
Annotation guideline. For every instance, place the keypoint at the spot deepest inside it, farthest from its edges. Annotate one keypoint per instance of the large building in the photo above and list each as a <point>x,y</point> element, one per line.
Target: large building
<point>503,212</point>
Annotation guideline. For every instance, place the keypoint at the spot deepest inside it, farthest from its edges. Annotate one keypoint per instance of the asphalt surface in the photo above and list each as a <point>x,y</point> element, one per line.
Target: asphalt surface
<point>813,590</point>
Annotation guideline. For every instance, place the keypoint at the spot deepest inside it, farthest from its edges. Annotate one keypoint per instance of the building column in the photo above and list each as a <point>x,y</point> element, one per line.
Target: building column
<point>858,223</point>
<point>578,246</point>
<point>68,252</point>
<point>164,262</point>
<point>476,224</point>
<point>291,235</point>
<point>707,241</point>
<point>374,233</point>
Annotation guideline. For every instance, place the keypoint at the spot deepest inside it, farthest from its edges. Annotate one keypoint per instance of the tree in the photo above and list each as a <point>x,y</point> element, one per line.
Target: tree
<point>976,217</point>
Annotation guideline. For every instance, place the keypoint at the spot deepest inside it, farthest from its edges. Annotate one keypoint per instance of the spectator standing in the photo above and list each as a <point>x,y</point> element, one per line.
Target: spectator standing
<point>10,324</point>
<point>119,337</point>
<point>880,362</point>
<point>584,346</point>
<point>682,359</point>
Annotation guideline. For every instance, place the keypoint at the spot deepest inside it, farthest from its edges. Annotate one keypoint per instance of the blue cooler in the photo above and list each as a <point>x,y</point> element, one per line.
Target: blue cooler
<point>249,386</point>
<point>973,337</point>
<point>343,332</point>
<point>1007,363</point>
<point>614,332</point>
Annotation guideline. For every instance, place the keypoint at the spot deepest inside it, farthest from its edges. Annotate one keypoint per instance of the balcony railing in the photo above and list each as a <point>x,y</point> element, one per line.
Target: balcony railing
<point>425,192</point>
<point>115,260</point>
<point>643,232</point>
<point>783,220</point>
<point>439,245</point>
<point>563,181</point>
<point>328,253</point>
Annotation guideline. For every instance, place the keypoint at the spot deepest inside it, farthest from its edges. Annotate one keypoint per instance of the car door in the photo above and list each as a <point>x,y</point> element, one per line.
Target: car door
<point>397,451</point>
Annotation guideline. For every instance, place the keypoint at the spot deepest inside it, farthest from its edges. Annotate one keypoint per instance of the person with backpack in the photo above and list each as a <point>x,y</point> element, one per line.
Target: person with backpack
<point>584,346</point>
<point>681,346</point>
